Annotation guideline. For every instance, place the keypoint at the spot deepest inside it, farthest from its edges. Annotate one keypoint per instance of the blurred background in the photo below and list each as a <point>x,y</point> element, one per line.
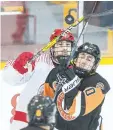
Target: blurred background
<point>27,25</point>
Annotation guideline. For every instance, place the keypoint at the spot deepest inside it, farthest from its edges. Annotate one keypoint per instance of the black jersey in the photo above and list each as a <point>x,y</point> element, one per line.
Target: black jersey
<point>83,105</point>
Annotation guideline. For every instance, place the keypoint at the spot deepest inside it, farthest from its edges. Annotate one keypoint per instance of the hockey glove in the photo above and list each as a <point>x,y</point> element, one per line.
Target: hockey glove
<point>21,61</point>
<point>70,89</point>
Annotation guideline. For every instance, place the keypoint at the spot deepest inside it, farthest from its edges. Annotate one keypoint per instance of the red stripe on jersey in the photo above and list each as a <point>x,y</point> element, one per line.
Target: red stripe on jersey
<point>20,116</point>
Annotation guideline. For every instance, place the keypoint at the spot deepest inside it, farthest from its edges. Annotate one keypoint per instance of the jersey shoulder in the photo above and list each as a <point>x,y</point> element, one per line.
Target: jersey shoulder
<point>103,83</point>
<point>51,76</point>
<point>96,80</point>
<point>53,73</point>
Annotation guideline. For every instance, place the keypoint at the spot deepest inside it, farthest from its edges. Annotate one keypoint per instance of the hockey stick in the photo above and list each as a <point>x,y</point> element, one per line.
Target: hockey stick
<point>52,43</point>
<point>75,47</point>
<point>87,18</point>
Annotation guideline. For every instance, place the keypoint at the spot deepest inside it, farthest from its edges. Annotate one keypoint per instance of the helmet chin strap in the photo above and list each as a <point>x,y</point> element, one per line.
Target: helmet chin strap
<point>83,72</point>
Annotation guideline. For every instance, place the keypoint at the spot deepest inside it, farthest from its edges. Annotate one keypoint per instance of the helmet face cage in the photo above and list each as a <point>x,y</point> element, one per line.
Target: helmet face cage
<point>41,111</point>
<point>87,57</point>
<point>85,61</point>
<point>62,49</point>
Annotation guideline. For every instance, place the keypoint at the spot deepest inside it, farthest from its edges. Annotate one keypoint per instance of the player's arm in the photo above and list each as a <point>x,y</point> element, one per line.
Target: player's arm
<point>48,90</point>
<point>50,83</point>
<point>88,100</point>
<point>16,73</point>
<point>48,86</point>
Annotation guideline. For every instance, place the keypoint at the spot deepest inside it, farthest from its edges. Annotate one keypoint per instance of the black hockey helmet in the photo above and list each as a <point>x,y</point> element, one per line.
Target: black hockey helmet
<point>91,49</point>
<point>41,111</point>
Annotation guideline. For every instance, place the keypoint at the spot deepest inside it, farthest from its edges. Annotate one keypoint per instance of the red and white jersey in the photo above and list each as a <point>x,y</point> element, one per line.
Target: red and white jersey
<point>15,78</point>
<point>23,88</point>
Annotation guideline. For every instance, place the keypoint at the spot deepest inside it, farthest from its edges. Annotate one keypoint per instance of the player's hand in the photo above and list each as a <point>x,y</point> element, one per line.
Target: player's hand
<point>21,63</point>
<point>72,81</point>
<point>70,89</point>
<point>67,72</point>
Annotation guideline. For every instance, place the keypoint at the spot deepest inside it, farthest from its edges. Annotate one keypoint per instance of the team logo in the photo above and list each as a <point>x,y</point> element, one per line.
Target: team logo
<point>100,85</point>
<point>60,105</point>
<point>66,87</point>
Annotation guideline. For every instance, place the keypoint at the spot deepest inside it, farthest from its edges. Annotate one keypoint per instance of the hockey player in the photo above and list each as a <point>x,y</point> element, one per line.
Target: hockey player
<point>41,113</point>
<point>41,69</point>
<point>78,91</point>
<point>20,73</point>
<point>61,51</point>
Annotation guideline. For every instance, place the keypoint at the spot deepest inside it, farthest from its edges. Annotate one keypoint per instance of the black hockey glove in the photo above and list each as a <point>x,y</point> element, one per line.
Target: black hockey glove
<point>70,84</point>
<point>70,89</point>
<point>68,73</point>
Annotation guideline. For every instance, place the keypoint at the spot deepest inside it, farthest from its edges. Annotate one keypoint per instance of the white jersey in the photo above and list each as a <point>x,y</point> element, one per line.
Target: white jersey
<point>22,89</point>
<point>13,77</point>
